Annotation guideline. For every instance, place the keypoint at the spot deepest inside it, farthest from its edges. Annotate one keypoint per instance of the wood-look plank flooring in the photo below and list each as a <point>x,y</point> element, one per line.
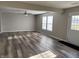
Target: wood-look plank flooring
<point>28,44</point>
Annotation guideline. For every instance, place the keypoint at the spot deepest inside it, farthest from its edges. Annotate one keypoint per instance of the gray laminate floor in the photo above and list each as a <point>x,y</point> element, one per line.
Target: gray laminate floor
<point>33,45</point>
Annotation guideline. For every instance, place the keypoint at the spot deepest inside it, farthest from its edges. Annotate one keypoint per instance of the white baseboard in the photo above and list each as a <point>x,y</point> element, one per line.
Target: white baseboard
<point>52,36</point>
<point>15,31</point>
<point>58,38</point>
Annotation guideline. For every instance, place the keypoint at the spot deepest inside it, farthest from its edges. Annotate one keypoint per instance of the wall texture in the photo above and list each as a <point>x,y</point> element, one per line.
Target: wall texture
<point>59,25</point>
<point>17,22</point>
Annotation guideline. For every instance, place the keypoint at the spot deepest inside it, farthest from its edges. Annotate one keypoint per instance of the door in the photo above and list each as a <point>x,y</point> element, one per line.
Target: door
<point>73,29</point>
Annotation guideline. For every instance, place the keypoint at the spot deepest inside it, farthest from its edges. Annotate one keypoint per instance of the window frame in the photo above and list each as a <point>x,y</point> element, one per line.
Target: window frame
<point>47,22</point>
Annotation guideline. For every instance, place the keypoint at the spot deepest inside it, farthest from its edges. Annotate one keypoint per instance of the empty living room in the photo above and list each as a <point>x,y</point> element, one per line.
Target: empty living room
<point>39,29</point>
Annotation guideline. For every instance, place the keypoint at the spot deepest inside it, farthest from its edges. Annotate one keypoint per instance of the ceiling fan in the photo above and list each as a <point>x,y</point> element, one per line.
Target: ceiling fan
<point>27,14</point>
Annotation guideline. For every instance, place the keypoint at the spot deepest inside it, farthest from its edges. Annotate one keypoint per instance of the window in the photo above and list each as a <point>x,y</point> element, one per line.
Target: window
<point>47,22</point>
<point>44,22</point>
<point>75,22</point>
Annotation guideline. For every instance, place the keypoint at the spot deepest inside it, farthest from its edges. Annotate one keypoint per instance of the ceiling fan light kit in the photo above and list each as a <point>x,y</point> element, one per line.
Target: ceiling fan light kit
<point>26,14</point>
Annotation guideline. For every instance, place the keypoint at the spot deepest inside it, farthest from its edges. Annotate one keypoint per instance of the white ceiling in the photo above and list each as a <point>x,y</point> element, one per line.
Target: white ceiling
<point>55,4</point>
<point>14,10</point>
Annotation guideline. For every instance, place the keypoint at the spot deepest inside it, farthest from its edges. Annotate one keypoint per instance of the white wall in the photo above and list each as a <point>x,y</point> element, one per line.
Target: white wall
<point>0,21</point>
<point>17,22</point>
<point>59,25</point>
<point>72,35</point>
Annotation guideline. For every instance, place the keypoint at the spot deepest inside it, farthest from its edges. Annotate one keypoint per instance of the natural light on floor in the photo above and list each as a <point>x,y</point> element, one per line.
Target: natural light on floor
<point>46,54</point>
<point>10,37</point>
